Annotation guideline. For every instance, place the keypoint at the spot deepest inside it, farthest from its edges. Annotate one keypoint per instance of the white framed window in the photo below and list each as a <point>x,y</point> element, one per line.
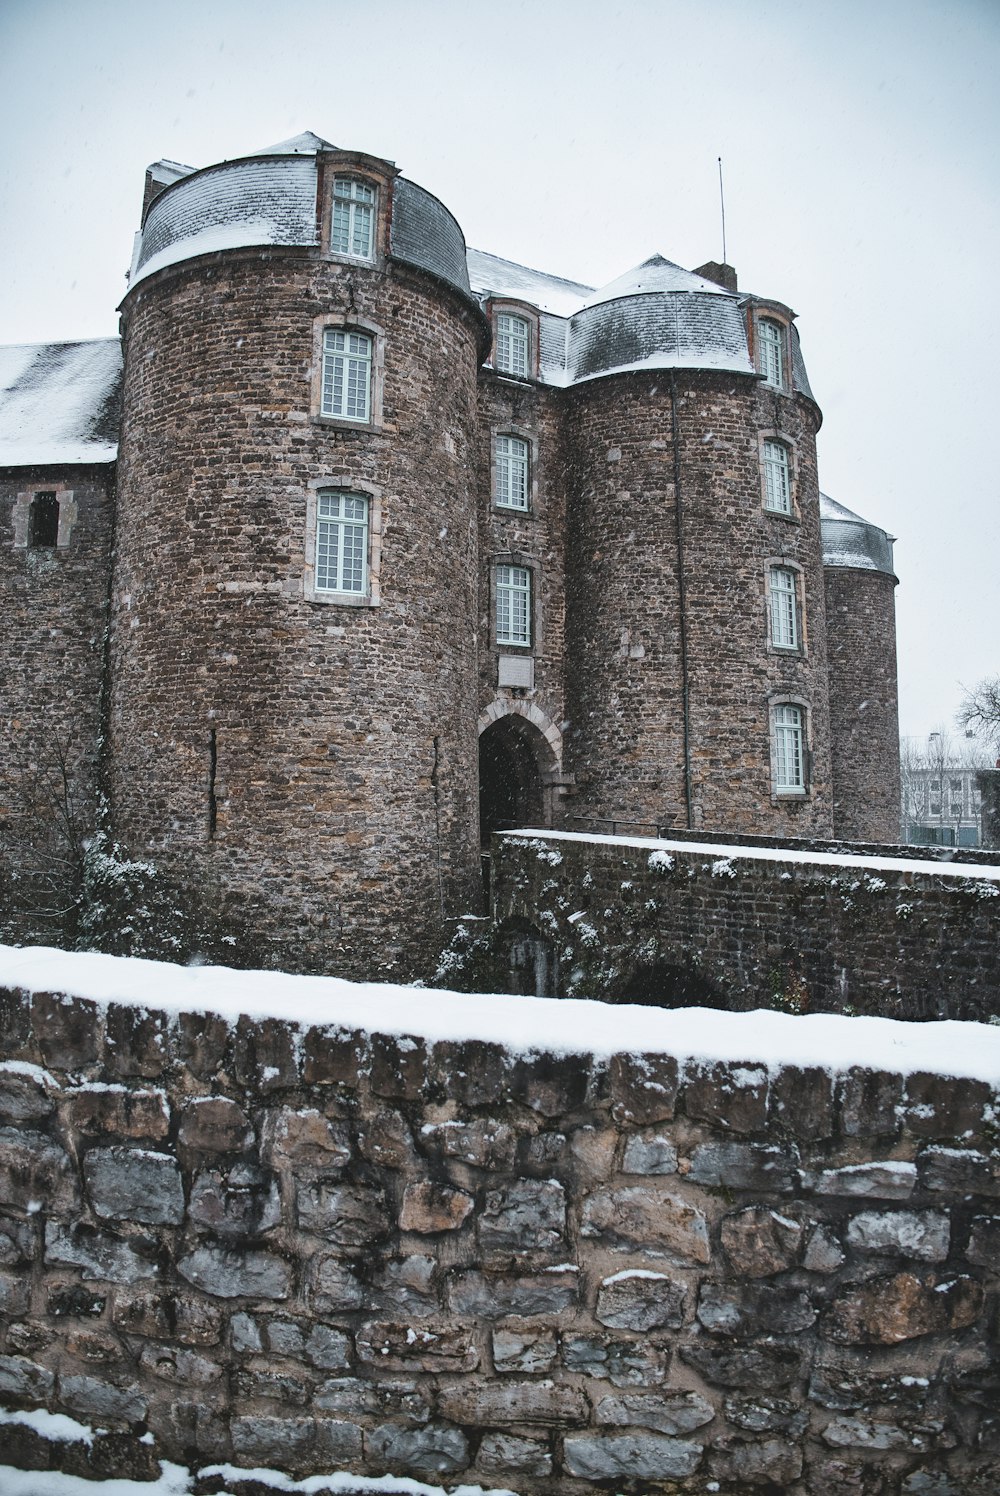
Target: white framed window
<point>513,461</point>
<point>352,226</point>
<point>783,602</point>
<point>777,486</point>
<point>789,750</point>
<point>771,340</point>
<point>513,345</point>
<point>513,605</point>
<point>347,375</point>
<point>341,542</point>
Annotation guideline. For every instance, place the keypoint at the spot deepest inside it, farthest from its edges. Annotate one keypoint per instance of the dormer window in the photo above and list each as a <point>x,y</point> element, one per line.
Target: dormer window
<point>513,346</point>
<point>352,228</point>
<point>771,352</point>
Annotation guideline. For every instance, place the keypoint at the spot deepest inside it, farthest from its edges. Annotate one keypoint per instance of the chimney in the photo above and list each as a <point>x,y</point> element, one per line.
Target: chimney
<point>722,275</point>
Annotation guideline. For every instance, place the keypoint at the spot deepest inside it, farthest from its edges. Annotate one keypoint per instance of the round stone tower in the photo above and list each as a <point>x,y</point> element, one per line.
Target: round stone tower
<point>864,709</point>
<point>697,679</point>
<point>292,719</point>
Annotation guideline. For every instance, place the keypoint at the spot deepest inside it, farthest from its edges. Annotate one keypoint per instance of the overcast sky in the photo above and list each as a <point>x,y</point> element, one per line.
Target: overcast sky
<point>860,149</point>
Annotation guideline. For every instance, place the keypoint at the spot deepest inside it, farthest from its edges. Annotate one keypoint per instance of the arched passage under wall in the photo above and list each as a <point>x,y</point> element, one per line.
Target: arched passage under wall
<point>519,758</point>
<point>663,984</point>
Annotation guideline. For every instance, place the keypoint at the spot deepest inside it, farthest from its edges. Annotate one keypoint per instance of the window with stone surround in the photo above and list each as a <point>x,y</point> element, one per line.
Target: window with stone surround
<point>789,752</point>
<point>777,477</point>
<point>512,472</point>
<point>43,522</point>
<point>352,224</point>
<point>512,351</point>
<point>342,543</point>
<point>783,607</point>
<point>346,382</point>
<point>771,359</point>
<point>513,605</point>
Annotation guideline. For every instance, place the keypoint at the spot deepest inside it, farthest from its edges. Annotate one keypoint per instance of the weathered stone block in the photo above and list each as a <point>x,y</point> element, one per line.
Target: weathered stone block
<point>745,1166</point>
<point>278,1443</point>
<point>35,1171</point>
<point>868,1102</point>
<point>386,1141</point>
<point>624,1363</point>
<point>731,1097</point>
<point>66,1029</point>
<point>525,1218</point>
<point>425,1451</point>
<point>251,1384</point>
<point>869,1433</point>
<point>94,1398</point>
<point>936,1108</point>
<point>923,1234</point>
<point>646,1217</point>
<point>265,1053</point>
<point>650,1456</point>
<point>766,1415</point>
<point>485,1142</point>
<point>168,1316</point>
<point>96,1110</point>
<point>134,1184</point>
<point>245,1334</point>
<point>328,1349</point>
<point>405,1348</point>
<point>824,1253</point>
<point>470,1072</point>
<point>333,1056</point>
<point>960,1171</point>
<point>902,1307</point>
<point>305,1140</point>
<point>24,1379</point>
<point>168,1363</point>
<point>764,1368</point>
<point>404,1400</point>
<point>771,1462</point>
<point>227,1273</point>
<point>496,1296</point>
<point>407,1285</point>
<point>480,1402</point>
<point>136,1041</point>
<point>638,1299</point>
<point>892,1179</point>
<point>27,1092</point>
<point>349,1215</point>
<point>524,1351</point>
<point>649,1153</point>
<point>749,1310</point>
<point>201,1042</point>
<point>984,1242</point>
<point>99,1254</point>
<point>240,1202</point>
<point>666,1412</point>
<point>75,1302</point>
<point>337,1442</point>
<point>643,1088</point>
<point>399,1066</point>
<point>430,1207</point>
<point>847,1379</point>
<point>333,1287</point>
<point>509,1454</point>
<point>759,1241</point>
<point>800,1103</point>
<point>214,1124</point>
<point>15,1294</point>
<point>552,1084</point>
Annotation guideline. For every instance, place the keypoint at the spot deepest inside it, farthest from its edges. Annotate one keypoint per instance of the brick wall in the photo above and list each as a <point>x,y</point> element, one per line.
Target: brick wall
<point>311,1249</point>
<point>671,923</point>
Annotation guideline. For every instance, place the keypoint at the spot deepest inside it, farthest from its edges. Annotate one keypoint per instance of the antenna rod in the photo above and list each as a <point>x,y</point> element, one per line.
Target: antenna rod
<point>722,203</point>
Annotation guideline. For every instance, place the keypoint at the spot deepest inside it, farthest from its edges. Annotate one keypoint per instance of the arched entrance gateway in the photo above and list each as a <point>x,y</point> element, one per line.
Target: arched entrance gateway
<point>520,753</point>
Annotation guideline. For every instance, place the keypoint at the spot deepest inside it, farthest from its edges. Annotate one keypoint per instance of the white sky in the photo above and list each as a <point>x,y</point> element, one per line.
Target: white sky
<point>859,140</point>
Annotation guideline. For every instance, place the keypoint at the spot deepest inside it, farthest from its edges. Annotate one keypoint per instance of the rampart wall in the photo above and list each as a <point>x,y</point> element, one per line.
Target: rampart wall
<point>675,921</point>
<point>548,1266</point>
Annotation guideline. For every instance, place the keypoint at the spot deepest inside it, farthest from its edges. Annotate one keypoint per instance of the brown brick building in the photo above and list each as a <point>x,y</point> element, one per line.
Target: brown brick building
<point>406,542</point>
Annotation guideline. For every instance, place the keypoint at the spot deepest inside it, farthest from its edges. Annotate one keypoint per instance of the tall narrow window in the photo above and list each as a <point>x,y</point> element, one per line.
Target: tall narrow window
<point>353,224</point>
<point>771,337</point>
<point>341,542</point>
<point>513,591</point>
<point>513,342</point>
<point>43,521</point>
<point>511,472</point>
<point>347,375</point>
<point>789,750</point>
<point>777,489</point>
<point>784,608</point>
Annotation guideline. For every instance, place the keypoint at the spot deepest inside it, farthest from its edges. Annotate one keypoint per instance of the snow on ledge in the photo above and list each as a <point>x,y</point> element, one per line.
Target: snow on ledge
<point>522,1025</point>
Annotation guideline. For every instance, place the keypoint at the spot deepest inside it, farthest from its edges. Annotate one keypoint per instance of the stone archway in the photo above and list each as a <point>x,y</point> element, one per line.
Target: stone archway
<point>520,753</point>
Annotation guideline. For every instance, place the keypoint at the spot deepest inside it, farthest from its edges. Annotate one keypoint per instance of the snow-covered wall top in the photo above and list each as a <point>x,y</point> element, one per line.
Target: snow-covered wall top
<point>849,540</point>
<point>59,403</point>
<point>522,1025</point>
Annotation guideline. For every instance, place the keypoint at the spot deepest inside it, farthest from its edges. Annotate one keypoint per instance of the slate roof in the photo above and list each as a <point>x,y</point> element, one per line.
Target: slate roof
<point>851,541</point>
<point>60,403</point>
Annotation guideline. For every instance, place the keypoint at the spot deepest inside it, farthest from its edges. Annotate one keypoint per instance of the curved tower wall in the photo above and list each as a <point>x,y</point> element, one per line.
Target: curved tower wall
<point>626,598</point>
<point>309,765</point>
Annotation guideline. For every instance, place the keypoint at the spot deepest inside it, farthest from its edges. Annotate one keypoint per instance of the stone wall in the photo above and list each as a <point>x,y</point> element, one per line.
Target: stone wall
<point>673,922</point>
<point>313,1249</point>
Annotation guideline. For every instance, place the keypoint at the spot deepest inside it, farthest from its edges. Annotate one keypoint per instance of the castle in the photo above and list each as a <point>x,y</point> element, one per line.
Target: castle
<point>362,544</point>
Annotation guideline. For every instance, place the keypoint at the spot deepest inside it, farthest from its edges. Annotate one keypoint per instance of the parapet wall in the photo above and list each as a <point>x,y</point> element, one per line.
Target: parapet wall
<point>304,1246</point>
<point>747,926</point>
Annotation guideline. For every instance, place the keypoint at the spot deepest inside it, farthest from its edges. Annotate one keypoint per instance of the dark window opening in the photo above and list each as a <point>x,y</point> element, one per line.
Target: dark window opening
<point>213,805</point>
<point>510,785</point>
<point>43,523</point>
<point>663,985</point>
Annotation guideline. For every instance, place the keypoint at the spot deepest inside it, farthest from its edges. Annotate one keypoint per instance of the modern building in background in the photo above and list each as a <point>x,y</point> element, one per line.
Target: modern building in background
<point>942,801</point>
<point>361,545</point>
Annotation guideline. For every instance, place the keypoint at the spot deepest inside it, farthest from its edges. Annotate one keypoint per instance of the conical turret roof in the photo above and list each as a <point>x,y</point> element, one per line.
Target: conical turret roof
<point>654,275</point>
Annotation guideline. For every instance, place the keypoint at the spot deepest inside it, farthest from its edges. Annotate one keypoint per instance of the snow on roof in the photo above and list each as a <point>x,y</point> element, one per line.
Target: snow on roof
<point>59,403</point>
<point>851,541</point>
<point>243,234</point>
<point>655,275</point>
<point>306,144</point>
<point>522,1025</point>
<point>492,276</point>
<point>830,509</point>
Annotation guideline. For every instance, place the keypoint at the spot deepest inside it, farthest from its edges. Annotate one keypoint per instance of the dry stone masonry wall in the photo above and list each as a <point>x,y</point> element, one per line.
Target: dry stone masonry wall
<point>317,1250</point>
